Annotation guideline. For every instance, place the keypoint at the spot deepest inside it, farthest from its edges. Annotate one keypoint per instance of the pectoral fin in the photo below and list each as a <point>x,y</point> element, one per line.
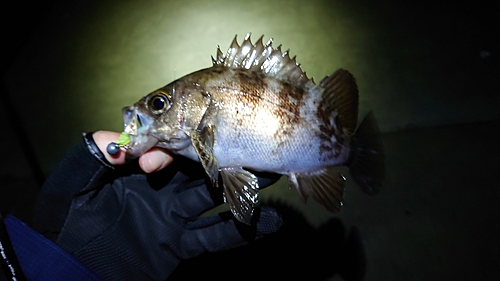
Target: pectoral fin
<point>240,192</point>
<point>325,187</point>
<point>203,143</point>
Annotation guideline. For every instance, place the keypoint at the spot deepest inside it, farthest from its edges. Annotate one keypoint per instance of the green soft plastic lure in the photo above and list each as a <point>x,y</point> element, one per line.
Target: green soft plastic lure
<point>123,140</point>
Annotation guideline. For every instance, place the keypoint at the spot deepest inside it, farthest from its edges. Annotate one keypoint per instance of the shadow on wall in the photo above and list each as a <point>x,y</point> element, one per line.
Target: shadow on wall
<point>296,251</point>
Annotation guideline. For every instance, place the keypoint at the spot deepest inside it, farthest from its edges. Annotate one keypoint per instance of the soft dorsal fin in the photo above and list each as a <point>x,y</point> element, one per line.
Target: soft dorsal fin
<point>262,57</point>
<point>341,93</point>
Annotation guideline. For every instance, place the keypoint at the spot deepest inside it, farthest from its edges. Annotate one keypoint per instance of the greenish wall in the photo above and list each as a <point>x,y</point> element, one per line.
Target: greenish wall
<point>88,59</point>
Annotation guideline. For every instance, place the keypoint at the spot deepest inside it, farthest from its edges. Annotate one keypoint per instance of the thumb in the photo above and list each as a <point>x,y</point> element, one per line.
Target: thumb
<point>154,160</point>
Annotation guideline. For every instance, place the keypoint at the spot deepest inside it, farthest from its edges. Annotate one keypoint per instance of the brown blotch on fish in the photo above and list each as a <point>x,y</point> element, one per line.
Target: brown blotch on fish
<point>250,82</point>
<point>290,101</point>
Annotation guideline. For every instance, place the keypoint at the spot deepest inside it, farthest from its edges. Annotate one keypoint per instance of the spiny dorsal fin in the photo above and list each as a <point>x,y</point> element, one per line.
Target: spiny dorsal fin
<point>262,57</point>
<point>341,93</point>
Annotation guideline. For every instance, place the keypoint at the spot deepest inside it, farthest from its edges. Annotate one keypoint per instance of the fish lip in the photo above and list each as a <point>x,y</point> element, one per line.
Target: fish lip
<point>140,144</point>
<point>135,121</point>
<point>138,126</point>
<point>131,120</point>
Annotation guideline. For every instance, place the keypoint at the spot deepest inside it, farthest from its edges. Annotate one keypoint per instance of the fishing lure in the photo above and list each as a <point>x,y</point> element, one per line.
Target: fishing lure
<point>123,142</point>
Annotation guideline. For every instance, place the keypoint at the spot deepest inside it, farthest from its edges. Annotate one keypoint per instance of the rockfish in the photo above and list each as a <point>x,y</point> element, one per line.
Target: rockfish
<point>256,110</point>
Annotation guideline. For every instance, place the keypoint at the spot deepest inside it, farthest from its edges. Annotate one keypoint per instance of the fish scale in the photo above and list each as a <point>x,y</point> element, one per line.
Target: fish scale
<point>255,109</point>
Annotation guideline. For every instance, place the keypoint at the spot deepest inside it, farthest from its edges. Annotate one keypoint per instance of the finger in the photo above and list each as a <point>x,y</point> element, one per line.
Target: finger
<point>194,197</point>
<point>220,232</point>
<point>154,160</point>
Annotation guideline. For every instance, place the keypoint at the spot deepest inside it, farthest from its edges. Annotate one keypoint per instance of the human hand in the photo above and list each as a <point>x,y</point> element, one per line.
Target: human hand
<point>153,160</point>
<point>115,213</point>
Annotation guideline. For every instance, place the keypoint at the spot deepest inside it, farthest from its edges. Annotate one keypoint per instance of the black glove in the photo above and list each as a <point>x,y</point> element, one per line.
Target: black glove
<point>127,225</point>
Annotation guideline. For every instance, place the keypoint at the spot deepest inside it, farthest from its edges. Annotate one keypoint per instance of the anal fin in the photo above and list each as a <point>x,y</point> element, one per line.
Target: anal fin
<point>326,187</point>
<point>241,190</point>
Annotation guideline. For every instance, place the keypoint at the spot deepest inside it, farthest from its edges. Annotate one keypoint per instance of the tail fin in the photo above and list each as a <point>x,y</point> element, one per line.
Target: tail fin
<point>367,165</point>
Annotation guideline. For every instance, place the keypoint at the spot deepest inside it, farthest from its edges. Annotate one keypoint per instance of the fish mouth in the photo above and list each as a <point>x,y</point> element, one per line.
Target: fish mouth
<point>138,125</point>
<point>132,120</point>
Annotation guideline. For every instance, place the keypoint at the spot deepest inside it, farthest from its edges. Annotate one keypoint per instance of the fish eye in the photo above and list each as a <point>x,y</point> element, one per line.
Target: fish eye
<point>159,103</point>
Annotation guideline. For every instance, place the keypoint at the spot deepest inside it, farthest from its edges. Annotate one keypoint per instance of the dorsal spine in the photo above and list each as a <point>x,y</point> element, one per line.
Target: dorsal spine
<point>262,57</point>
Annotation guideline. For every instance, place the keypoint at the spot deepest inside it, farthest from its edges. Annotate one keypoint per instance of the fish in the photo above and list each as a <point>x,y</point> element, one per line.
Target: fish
<point>255,110</point>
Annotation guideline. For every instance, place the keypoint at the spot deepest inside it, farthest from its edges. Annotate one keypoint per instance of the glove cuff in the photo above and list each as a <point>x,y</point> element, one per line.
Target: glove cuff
<point>92,147</point>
